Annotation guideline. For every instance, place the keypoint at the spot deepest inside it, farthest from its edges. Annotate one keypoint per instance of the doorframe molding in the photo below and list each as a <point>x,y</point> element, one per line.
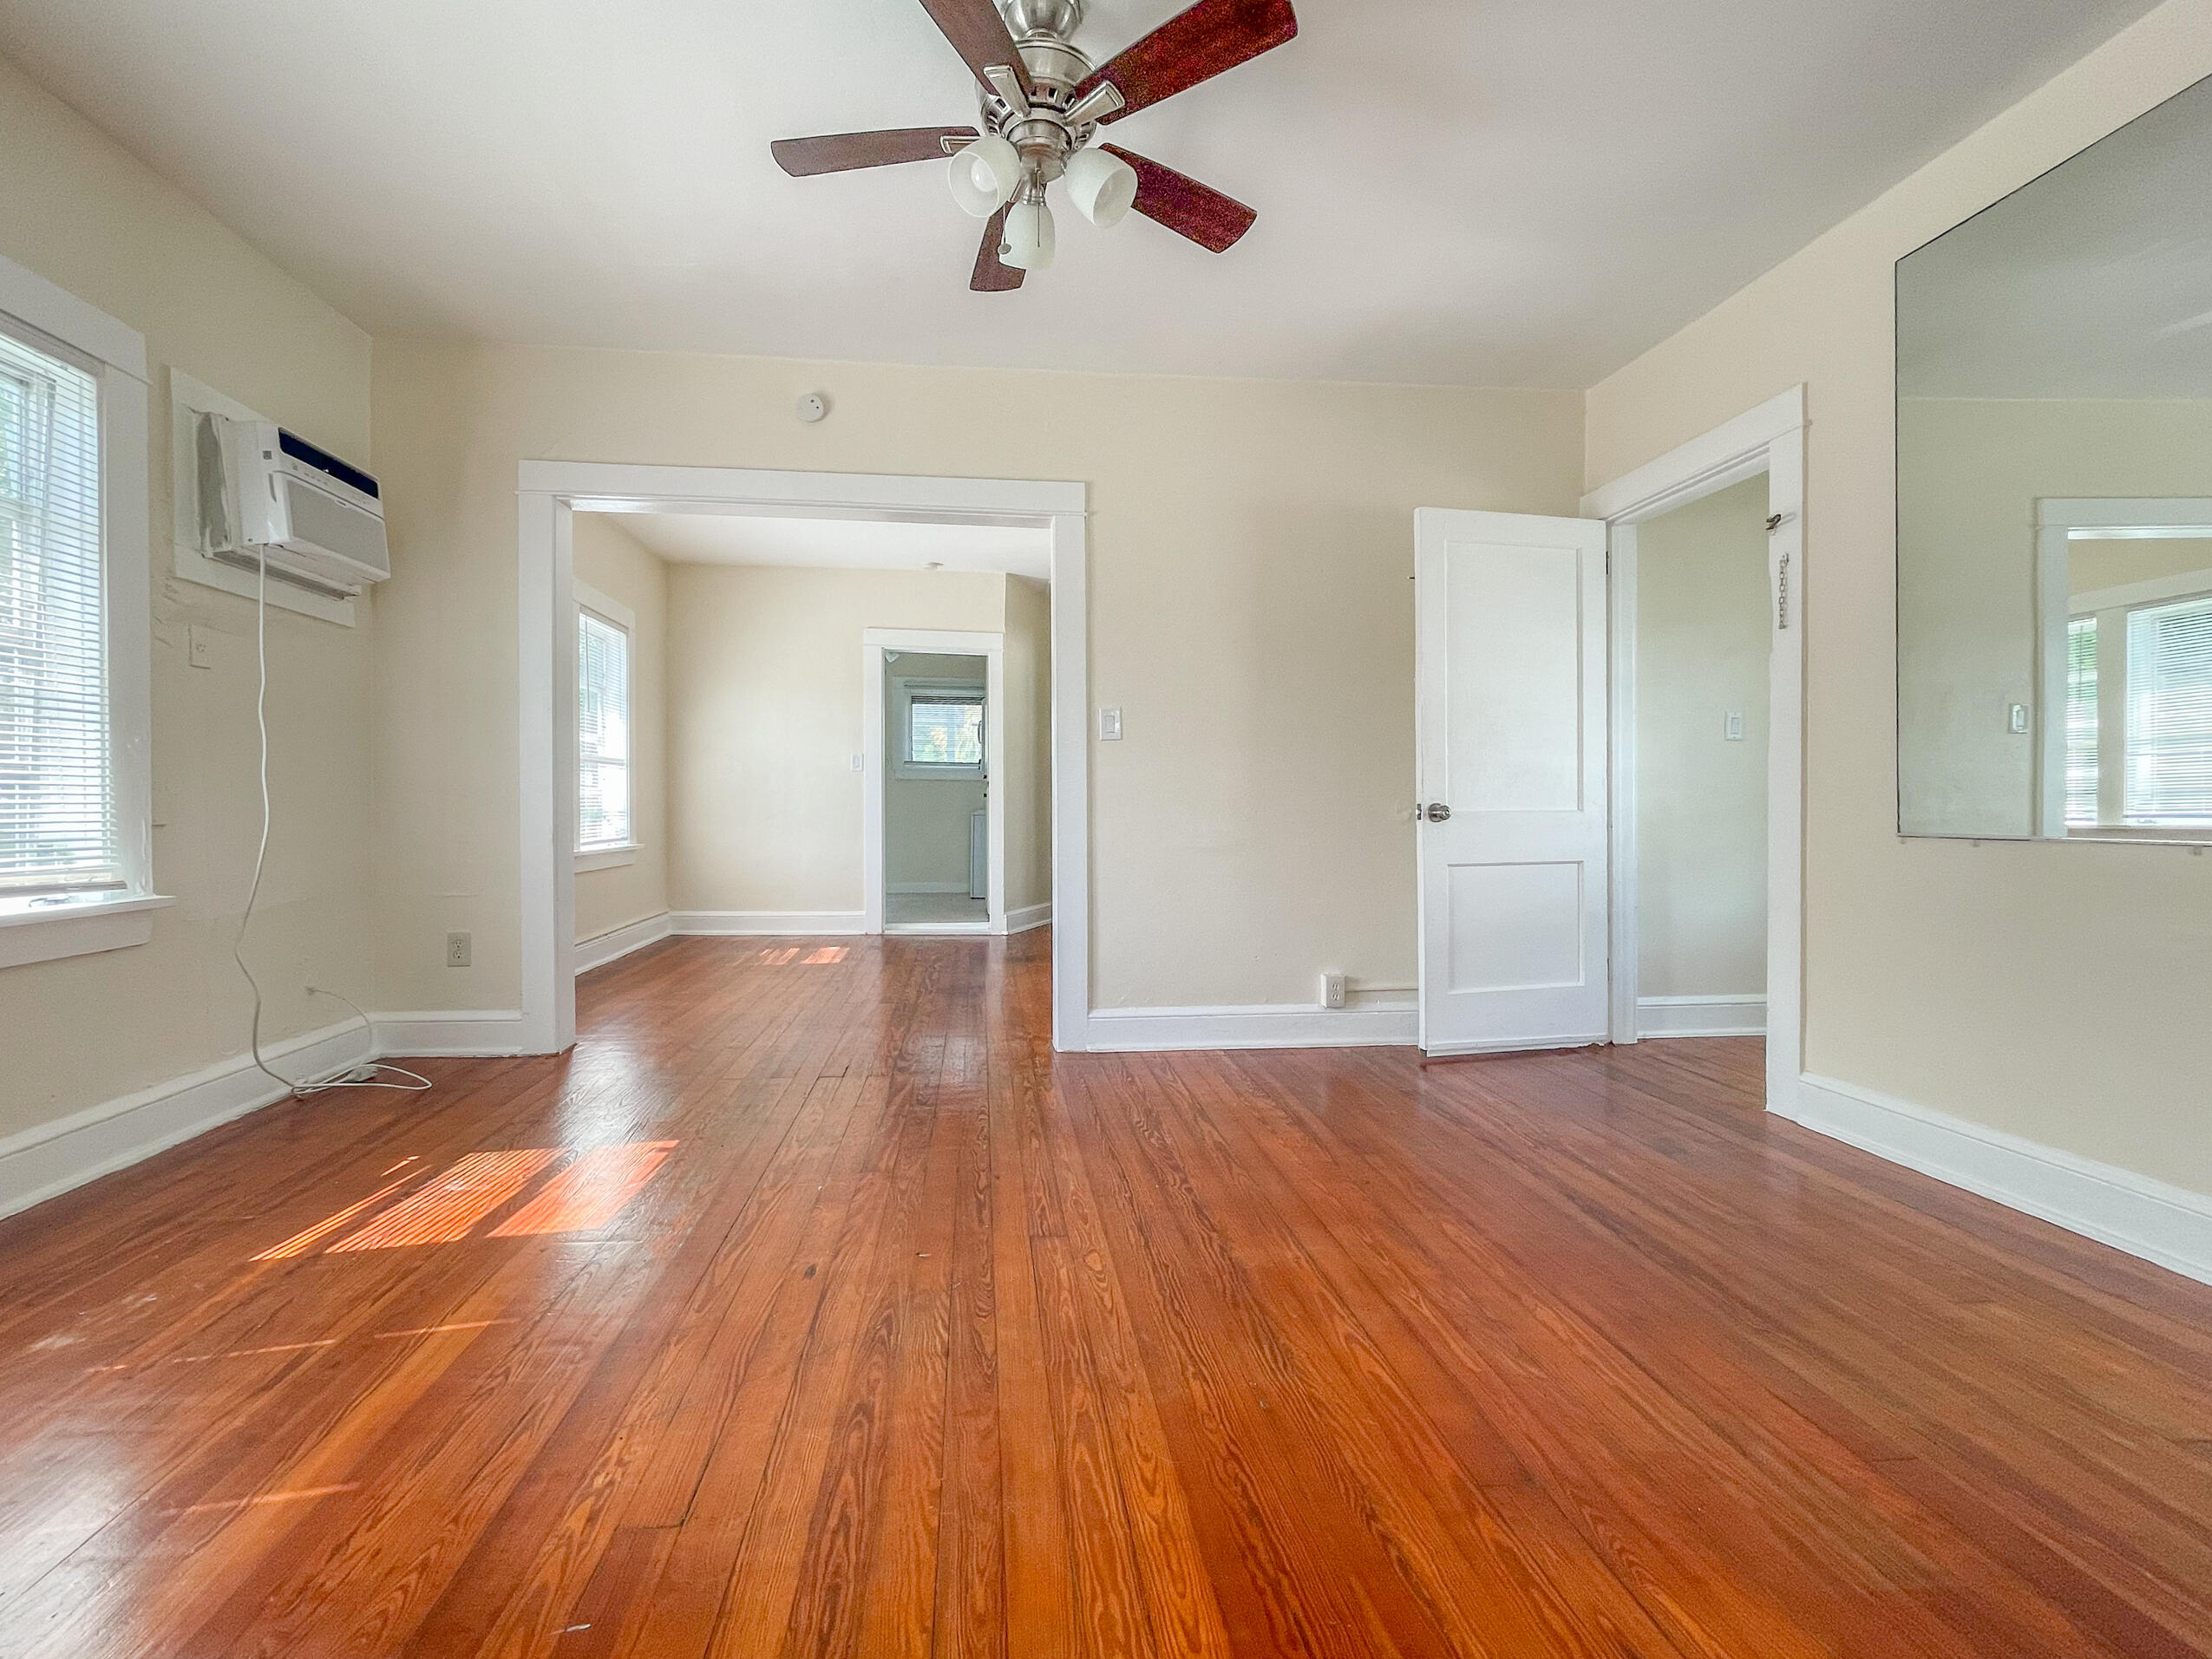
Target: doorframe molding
<point>876,764</point>
<point>1769,438</point>
<point>551,493</point>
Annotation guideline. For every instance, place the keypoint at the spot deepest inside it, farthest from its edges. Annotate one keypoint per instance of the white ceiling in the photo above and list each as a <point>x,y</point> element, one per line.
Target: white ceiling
<point>1516,193</point>
<point>848,543</point>
<point>2095,280</point>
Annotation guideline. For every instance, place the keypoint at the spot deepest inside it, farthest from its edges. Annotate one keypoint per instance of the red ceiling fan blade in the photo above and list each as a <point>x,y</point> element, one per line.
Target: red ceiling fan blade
<point>1215,222</point>
<point>842,152</point>
<point>979,34</point>
<point>1213,36</point>
<point>990,276</point>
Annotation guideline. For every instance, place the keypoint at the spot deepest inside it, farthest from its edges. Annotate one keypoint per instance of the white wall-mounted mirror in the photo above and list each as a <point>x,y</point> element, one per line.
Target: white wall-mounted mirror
<point>2054,461</point>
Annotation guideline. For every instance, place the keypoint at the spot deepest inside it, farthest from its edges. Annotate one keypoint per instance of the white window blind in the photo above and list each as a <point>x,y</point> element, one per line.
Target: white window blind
<point>945,729</point>
<point>2081,721</point>
<point>602,733</point>
<point>57,795</point>
<point>2170,713</point>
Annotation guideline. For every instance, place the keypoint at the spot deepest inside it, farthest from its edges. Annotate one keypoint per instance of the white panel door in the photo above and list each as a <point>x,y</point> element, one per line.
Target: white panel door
<point>1510,697</point>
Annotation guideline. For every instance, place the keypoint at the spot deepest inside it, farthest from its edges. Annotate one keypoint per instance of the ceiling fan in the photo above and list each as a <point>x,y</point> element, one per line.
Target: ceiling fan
<point>1042,103</point>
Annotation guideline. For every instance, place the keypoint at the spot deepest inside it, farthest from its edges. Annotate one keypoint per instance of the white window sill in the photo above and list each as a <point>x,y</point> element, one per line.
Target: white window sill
<point>607,857</point>
<point>30,931</point>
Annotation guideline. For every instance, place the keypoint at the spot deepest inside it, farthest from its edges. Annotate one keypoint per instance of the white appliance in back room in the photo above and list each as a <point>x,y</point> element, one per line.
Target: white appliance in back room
<point>979,854</point>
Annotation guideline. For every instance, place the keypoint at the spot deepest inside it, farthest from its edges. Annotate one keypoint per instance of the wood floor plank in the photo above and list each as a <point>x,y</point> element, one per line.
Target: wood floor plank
<point>925,1342</point>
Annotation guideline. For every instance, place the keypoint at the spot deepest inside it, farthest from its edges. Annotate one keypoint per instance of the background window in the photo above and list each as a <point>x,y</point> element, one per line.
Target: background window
<point>2081,721</point>
<point>2170,713</point>
<point>945,729</point>
<point>57,787</point>
<point>602,733</point>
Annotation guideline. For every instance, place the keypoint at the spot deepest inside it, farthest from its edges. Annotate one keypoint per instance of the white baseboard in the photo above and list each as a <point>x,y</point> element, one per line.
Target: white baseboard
<point>619,943</point>
<point>1272,1025</point>
<point>2145,1217</point>
<point>1029,916</point>
<point>456,1032</point>
<point>1701,1016</point>
<point>769,923</point>
<point>49,1160</point>
<point>960,887</point>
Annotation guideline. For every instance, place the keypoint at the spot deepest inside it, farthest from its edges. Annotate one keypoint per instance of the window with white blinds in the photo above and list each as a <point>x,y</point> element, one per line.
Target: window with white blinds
<point>602,733</point>
<point>2170,713</point>
<point>57,791</point>
<point>2081,721</point>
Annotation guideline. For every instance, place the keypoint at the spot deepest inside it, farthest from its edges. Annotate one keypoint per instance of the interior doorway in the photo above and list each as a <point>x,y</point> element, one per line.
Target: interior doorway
<point>1766,443</point>
<point>552,493</point>
<point>939,725</point>
<point>1695,726</point>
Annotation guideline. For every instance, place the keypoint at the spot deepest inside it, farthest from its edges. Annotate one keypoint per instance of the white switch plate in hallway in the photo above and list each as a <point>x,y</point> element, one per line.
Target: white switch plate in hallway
<point>1110,725</point>
<point>1735,728</point>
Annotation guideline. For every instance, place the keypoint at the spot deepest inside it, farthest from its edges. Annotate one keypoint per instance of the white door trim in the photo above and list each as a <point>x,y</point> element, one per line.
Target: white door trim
<point>1769,438</point>
<point>551,492</point>
<point>876,766</point>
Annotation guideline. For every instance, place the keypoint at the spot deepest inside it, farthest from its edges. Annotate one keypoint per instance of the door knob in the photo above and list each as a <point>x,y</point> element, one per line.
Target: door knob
<point>1436,812</point>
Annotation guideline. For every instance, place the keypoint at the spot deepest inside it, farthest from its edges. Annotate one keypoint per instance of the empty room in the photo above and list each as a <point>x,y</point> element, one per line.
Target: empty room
<point>1015,827</point>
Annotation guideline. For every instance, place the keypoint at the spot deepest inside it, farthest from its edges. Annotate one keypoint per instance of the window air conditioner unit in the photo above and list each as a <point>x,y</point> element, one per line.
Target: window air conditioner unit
<point>264,492</point>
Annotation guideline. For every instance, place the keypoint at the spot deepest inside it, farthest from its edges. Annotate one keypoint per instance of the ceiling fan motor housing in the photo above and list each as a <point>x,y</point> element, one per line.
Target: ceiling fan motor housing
<point>1041,31</point>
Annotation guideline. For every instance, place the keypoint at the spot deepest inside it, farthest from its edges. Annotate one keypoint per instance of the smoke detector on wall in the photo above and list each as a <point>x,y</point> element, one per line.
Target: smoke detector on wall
<point>1042,103</point>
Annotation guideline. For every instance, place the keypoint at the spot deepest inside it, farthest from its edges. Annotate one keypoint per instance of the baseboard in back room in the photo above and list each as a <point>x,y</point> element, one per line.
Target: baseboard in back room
<point>1269,1025</point>
<point>2149,1219</point>
<point>768,924</point>
<point>1725,1015</point>
<point>47,1161</point>
<point>1029,916</point>
<point>928,887</point>
<point>617,942</point>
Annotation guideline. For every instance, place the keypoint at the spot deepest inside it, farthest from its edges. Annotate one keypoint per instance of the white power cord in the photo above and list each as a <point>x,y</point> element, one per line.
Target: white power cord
<point>362,1076</point>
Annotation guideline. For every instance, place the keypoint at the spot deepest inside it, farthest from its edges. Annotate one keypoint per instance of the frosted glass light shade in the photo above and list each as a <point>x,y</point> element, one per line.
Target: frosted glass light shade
<point>985,174</point>
<point>1103,186</point>
<point>1029,235</point>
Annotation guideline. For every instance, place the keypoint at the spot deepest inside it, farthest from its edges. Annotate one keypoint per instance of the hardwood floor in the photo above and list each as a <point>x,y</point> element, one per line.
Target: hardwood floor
<point>872,1327</point>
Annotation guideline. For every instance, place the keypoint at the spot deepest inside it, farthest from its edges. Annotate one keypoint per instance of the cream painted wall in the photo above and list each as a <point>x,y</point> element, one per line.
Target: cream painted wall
<point>764,692</point>
<point>925,820</point>
<point>1971,473</point>
<point>1251,612</point>
<point>2056,990</point>
<point>78,210</point>
<point>1029,743</point>
<point>1702,642</point>
<point>610,558</point>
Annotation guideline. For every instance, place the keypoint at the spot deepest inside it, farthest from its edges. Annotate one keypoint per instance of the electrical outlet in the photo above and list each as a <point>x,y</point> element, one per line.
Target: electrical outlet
<point>199,647</point>
<point>1334,989</point>
<point>460,949</point>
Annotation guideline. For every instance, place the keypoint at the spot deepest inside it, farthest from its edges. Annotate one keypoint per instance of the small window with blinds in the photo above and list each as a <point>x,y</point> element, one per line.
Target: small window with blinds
<point>2170,713</point>
<point>602,733</point>
<point>58,830</point>
<point>2082,769</point>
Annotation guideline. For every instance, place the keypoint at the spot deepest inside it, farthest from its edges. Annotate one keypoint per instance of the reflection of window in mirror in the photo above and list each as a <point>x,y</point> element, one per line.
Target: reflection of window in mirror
<point>2137,653</point>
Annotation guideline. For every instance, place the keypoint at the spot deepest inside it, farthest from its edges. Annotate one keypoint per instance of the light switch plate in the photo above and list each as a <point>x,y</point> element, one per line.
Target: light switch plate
<point>1734,729</point>
<point>1110,725</point>
<point>2017,720</point>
